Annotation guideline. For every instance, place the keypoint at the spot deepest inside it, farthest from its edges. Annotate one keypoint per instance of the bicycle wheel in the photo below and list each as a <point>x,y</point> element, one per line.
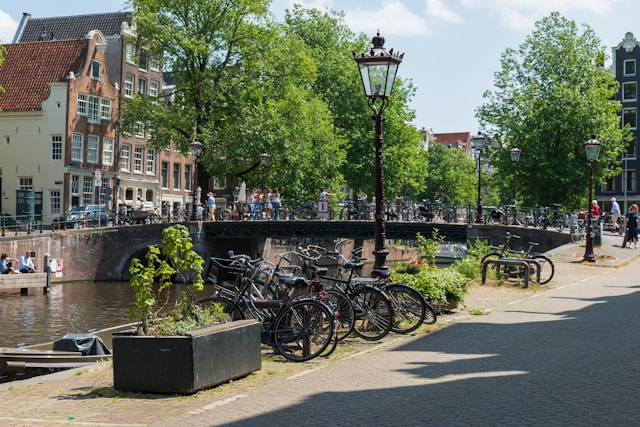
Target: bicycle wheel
<point>560,221</point>
<point>346,316</point>
<point>303,330</point>
<point>521,219</point>
<point>576,234</point>
<point>546,268</point>
<point>409,307</point>
<point>374,313</point>
<point>421,214</point>
<point>228,306</point>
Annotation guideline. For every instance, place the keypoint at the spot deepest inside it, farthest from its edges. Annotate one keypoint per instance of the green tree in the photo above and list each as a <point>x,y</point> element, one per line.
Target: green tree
<point>550,95</point>
<point>450,176</point>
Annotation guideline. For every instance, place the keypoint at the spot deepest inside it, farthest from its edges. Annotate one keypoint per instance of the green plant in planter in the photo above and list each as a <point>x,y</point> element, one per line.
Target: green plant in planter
<point>152,282</point>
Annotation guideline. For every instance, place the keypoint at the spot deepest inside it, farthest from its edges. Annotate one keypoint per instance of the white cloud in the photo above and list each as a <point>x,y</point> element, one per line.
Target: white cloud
<point>437,9</point>
<point>8,27</point>
<point>522,14</point>
<point>393,19</point>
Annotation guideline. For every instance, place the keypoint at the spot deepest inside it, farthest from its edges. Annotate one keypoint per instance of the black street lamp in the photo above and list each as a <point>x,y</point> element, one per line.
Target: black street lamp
<point>196,150</point>
<point>592,147</point>
<point>478,142</point>
<point>264,162</point>
<point>378,70</point>
<point>515,158</point>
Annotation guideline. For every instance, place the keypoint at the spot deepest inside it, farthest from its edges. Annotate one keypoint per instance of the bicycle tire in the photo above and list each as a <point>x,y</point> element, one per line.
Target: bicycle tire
<point>374,313</point>
<point>576,234</point>
<point>409,307</point>
<point>430,317</point>
<point>303,330</point>
<point>560,221</point>
<point>547,269</point>
<point>228,306</point>
<point>522,219</point>
<point>421,214</point>
<point>340,303</point>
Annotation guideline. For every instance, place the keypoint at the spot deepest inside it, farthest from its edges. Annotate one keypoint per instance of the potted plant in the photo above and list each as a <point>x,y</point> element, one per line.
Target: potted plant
<point>185,349</point>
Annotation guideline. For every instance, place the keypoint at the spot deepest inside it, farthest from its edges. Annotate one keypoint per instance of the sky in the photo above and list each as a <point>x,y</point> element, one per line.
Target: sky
<point>451,48</point>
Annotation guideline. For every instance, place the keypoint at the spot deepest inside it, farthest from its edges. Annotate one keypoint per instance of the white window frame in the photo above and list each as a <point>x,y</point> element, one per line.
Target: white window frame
<point>77,147</point>
<point>83,104</point>
<point>87,190</point>
<point>151,161</point>
<point>142,86</point>
<point>624,118</point>
<point>25,183</point>
<point>95,69</point>
<point>56,147</point>
<point>624,67</point>
<point>138,158</point>
<point>125,158</point>
<point>138,130</point>
<point>107,151</point>
<point>94,109</point>
<point>75,184</point>
<point>130,52</point>
<point>93,148</point>
<point>176,174</point>
<point>154,89</point>
<point>634,84</point>
<point>164,179</point>
<point>55,201</point>
<point>105,109</point>
<point>129,81</point>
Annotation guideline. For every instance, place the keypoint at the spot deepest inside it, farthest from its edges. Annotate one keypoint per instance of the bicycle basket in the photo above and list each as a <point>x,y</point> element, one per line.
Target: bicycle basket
<point>223,272</point>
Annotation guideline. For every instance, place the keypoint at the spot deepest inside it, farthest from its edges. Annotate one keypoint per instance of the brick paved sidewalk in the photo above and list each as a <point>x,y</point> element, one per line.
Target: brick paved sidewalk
<point>475,371</point>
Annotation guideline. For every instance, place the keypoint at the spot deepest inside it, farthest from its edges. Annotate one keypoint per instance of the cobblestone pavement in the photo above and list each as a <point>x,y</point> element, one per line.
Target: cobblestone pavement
<point>559,354</point>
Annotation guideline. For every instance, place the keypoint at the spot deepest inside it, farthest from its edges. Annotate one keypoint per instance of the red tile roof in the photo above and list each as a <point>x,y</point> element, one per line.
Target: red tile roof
<point>451,138</point>
<point>29,68</point>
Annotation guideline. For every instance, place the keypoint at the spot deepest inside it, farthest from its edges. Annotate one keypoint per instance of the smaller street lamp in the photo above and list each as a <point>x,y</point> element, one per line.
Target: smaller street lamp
<point>478,142</point>
<point>515,158</point>
<point>592,148</point>
<point>196,150</point>
<point>264,161</point>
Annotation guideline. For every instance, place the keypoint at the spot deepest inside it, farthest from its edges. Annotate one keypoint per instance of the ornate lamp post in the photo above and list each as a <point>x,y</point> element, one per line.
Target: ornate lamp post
<point>378,70</point>
<point>196,150</point>
<point>264,162</point>
<point>592,147</point>
<point>478,142</point>
<point>515,158</point>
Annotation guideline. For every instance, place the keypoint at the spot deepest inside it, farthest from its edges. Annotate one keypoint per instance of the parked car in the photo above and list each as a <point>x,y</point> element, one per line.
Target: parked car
<point>81,216</point>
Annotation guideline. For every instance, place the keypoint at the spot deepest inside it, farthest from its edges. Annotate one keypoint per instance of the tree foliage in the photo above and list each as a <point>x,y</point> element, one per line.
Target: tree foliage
<point>450,176</point>
<point>550,95</point>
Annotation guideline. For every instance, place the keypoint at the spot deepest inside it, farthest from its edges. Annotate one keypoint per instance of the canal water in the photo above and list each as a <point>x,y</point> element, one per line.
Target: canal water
<point>66,308</point>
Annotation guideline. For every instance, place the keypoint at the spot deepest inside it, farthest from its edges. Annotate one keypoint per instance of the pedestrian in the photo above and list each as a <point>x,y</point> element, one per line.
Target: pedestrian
<point>595,209</point>
<point>631,227</point>
<point>7,264</point>
<point>211,207</point>
<point>615,215</point>
<point>25,265</point>
<point>199,211</point>
<point>275,201</point>
<point>269,205</point>
<point>324,195</point>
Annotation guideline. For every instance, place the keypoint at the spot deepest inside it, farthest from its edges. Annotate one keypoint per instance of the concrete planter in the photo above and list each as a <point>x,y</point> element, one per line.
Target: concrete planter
<point>185,364</point>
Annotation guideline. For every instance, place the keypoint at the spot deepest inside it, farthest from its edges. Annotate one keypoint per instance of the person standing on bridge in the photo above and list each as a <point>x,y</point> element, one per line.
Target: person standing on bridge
<point>211,207</point>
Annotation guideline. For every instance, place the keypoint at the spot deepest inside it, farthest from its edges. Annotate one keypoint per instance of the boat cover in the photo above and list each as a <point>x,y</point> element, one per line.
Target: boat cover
<point>87,344</point>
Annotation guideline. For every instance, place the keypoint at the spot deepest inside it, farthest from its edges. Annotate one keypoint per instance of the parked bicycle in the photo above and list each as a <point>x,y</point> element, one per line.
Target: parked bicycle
<point>547,268</point>
<point>299,329</point>
<point>552,218</point>
<point>577,227</point>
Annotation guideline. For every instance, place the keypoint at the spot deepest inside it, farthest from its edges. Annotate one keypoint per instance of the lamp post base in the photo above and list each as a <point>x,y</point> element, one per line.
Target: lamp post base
<point>588,252</point>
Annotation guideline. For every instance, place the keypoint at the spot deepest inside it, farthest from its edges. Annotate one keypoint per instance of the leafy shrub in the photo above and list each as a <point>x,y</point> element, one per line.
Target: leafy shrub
<point>443,288</point>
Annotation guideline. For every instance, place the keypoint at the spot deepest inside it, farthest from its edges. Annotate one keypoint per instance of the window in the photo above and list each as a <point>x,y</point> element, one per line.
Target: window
<point>156,62</point>
<point>609,186</point>
<point>128,85</point>
<point>137,159</point>
<point>56,147</point>
<point>188,179</point>
<point>93,148</point>
<point>87,190</point>
<point>77,141</point>
<point>631,149</point>
<point>25,183</point>
<point>630,67</point>
<point>125,158</point>
<point>142,86</point>
<point>165,175</point>
<point>143,59</point>
<point>631,180</point>
<point>107,151</point>
<point>82,104</point>
<point>153,89</point>
<point>94,109</point>
<point>105,109</point>
<point>629,91</point>
<point>75,184</point>
<point>176,176</point>
<point>138,130</point>
<point>130,52</point>
<point>151,158</point>
<point>95,69</point>
<point>54,201</point>
<point>629,117</point>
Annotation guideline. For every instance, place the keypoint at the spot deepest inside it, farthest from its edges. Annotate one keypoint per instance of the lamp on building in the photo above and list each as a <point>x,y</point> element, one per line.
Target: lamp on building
<point>478,142</point>
<point>196,150</point>
<point>592,147</point>
<point>515,158</point>
<point>378,70</point>
<point>264,162</point>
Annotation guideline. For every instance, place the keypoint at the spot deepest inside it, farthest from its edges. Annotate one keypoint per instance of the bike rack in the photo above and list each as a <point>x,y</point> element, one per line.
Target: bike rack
<point>524,263</point>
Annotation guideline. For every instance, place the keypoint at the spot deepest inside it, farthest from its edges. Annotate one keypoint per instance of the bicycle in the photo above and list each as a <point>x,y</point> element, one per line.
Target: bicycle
<point>547,268</point>
<point>298,329</point>
<point>409,306</point>
<point>577,228</point>
<point>552,218</point>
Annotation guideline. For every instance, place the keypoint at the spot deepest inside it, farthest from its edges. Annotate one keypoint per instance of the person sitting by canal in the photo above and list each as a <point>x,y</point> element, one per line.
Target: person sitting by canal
<point>6,264</point>
<point>26,264</point>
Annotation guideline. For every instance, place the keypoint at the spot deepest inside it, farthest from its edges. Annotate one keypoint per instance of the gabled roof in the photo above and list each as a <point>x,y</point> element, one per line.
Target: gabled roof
<point>29,68</point>
<point>74,27</point>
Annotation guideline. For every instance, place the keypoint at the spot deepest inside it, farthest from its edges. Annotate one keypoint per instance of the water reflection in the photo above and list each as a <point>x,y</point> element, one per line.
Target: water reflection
<point>67,308</point>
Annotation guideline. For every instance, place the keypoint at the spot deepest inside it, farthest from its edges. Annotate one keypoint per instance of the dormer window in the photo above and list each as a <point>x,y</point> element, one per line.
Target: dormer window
<point>95,70</point>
